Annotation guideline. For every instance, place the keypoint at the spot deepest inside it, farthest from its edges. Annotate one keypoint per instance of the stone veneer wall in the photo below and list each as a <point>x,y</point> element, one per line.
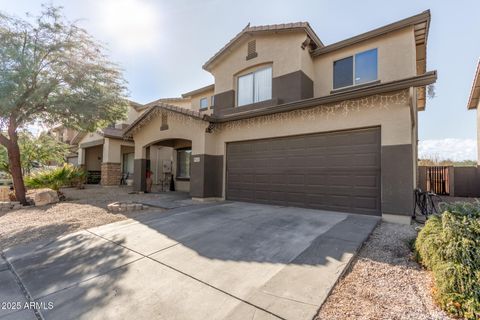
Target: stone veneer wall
<point>111,174</point>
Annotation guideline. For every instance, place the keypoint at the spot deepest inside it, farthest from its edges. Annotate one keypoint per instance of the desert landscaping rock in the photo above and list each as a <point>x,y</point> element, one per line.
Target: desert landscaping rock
<point>45,196</point>
<point>125,206</point>
<point>10,205</point>
<point>384,271</point>
<point>83,209</point>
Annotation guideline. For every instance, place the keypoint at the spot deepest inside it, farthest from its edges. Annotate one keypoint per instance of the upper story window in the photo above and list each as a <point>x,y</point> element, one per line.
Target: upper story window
<point>203,103</point>
<point>212,101</point>
<point>354,70</point>
<point>255,87</point>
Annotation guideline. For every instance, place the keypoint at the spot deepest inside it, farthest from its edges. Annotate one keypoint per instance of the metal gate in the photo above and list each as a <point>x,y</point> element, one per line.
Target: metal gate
<point>438,180</point>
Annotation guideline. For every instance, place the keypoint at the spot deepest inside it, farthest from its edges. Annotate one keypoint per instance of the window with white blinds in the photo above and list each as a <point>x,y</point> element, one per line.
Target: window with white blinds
<point>255,87</point>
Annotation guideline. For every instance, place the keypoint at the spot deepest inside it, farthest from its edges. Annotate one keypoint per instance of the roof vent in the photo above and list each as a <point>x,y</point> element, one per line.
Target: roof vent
<point>251,50</point>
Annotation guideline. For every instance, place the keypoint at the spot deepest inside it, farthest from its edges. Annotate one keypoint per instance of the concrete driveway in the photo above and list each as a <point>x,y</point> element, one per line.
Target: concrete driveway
<point>226,260</point>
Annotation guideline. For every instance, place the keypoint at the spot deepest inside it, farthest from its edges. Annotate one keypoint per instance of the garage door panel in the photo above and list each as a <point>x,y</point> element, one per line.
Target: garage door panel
<point>366,203</point>
<point>334,171</point>
<point>367,181</point>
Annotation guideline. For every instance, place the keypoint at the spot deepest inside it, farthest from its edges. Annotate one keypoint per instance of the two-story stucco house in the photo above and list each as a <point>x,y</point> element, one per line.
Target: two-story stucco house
<point>292,121</point>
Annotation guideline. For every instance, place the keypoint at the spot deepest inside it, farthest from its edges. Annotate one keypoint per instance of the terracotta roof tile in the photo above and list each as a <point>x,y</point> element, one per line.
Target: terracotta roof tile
<point>164,106</point>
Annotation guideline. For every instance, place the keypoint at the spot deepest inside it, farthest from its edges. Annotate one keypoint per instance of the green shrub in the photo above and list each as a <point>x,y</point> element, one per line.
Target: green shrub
<point>449,246</point>
<point>68,175</point>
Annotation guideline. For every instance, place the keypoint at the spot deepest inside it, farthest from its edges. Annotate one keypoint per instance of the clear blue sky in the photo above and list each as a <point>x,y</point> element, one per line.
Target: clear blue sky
<point>162,45</point>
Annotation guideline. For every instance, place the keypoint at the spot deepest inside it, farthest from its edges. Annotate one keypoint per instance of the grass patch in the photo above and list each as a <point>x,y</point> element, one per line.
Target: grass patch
<point>449,246</point>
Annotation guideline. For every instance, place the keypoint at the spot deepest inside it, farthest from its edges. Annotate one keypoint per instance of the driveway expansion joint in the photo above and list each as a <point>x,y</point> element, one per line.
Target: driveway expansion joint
<point>192,277</point>
<point>22,287</point>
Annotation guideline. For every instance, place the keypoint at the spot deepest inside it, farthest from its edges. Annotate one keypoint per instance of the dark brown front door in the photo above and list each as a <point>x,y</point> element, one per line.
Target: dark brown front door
<point>338,171</point>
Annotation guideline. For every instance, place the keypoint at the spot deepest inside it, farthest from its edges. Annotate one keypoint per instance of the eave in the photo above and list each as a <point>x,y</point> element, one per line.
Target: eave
<point>474,98</point>
<point>416,81</point>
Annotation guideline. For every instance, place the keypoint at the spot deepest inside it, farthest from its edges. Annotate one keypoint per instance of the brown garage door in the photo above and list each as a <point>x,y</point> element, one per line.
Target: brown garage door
<point>337,171</point>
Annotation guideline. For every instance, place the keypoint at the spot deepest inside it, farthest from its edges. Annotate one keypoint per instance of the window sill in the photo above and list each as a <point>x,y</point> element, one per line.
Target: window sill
<point>203,109</point>
<point>354,87</point>
<point>182,179</point>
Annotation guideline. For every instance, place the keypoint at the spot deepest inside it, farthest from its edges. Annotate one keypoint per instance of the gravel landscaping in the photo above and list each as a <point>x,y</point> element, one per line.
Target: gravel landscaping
<point>384,282</point>
<point>84,208</point>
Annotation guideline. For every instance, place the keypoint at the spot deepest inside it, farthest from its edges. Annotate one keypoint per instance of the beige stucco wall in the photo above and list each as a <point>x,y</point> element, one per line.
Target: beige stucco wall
<point>282,49</point>
<point>391,112</point>
<point>180,127</point>
<point>91,136</point>
<point>195,101</point>
<point>132,114</point>
<point>396,59</point>
<point>186,104</point>
<point>112,149</point>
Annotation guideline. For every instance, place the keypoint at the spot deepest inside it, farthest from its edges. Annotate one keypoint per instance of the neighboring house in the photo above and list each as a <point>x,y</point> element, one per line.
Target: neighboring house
<point>201,99</point>
<point>299,123</point>
<point>66,135</point>
<point>106,154</point>
<point>474,103</point>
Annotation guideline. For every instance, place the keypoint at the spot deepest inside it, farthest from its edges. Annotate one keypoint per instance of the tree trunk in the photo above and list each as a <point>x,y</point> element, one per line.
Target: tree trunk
<point>16,171</point>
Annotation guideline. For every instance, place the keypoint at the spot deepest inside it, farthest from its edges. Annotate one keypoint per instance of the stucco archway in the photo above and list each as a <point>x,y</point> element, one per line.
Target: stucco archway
<point>168,127</point>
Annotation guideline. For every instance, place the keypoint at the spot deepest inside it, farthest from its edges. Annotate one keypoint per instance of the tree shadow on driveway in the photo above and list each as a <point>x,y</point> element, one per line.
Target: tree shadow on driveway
<point>52,266</point>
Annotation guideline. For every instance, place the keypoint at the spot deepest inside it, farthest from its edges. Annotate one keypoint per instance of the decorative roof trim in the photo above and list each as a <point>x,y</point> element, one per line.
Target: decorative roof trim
<point>145,116</point>
<point>355,93</point>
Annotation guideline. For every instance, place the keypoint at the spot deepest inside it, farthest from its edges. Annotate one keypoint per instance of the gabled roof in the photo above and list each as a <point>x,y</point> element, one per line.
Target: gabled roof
<point>420,21</point>
<point>78,137</point>
<point>248,30</point>
<point>164,100</point>
<point>115,133</point>
<point>474,98</point>
<point>135,105</point>
<point>197,91</point>
<point>157,107</point>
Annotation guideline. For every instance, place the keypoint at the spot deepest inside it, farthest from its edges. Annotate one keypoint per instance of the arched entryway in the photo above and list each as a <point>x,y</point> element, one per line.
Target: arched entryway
<point>185,137</point>
<point>169,162</point>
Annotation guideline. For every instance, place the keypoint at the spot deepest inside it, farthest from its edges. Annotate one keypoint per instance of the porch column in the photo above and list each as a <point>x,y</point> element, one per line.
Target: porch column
<point>81,157</point>
<point>111,164</point>
<point>140,169</point>
<point>206,177</point>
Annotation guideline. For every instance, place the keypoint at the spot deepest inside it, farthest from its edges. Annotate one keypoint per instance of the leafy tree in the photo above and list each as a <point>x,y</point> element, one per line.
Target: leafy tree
<point>53,72</point>
<point>42,150</point>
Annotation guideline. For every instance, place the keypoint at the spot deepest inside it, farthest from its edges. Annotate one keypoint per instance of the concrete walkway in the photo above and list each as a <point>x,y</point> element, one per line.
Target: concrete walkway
<point>210,261</point>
